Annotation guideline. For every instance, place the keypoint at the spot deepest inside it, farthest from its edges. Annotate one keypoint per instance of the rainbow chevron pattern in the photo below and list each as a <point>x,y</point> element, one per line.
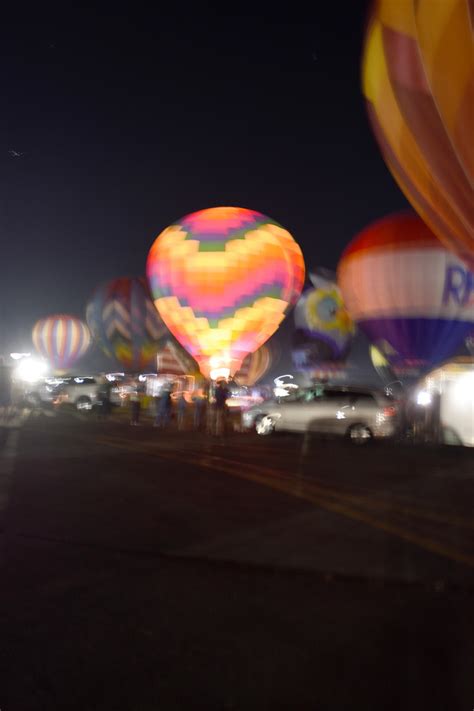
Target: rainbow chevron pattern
<point>61,339</point>
<point>125,323</point>
<point>223,280</point>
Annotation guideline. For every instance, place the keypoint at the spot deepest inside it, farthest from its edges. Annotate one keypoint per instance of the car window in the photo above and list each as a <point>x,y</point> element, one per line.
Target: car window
<point>364,399</point>
<point>296,396</point>
<point>335,395</point>
<point>311,394</point>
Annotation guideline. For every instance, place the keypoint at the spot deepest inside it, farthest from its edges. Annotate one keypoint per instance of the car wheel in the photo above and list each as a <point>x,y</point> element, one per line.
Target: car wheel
<point>84,403</point>
<point>264,425</point>
<point>359,434</point>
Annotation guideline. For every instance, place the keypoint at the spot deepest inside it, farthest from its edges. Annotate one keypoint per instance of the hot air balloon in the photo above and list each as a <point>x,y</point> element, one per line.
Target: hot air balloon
<point>412,297</point>
<point>172,359</point>
<point>323,328</point>
<point>125,323</point>
<point>223,280</point>
<point>61,339</point>
<point>254,367</point>
<point>418,79</point>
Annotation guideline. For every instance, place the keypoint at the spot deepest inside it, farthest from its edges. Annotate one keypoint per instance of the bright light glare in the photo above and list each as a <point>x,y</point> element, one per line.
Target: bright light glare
<point>18,356</point>
<point>30,370</point>
<point>423,398</point>
<point>219,373</point>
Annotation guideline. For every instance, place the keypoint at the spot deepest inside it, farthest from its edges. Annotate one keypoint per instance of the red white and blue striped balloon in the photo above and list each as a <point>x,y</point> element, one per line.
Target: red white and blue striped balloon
<point>411,297</point>
<point>61,339</point>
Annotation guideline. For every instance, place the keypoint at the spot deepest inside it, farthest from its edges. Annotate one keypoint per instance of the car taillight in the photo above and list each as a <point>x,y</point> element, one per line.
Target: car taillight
<point>389,411</point>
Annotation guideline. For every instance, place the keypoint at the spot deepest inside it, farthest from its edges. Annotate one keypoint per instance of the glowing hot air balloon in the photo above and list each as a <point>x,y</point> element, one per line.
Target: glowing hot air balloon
<point>418,79</point>
<point>254,367</point>
<point>223,280</point>
<point>412,297</point>
<point>324,329</point>
<point>125,323</point>
<point>61,339</point>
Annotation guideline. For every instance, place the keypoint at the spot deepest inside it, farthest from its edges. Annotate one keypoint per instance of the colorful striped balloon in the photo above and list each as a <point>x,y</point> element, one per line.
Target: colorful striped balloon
<point>223,280</point>
<point>254,367</point>
<point>125,323</point>
<point>172,359</point>
<point>412,297</point>
<point>61,339</point>
<point>418,79</point>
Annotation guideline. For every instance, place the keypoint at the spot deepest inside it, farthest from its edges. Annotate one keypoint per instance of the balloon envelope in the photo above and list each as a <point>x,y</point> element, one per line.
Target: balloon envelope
<point>172,359</point>
<point>418,79</point>
<point>125,323</point>
<point>61,339</point>
<point>222,280</point>
<point>412,297</point>
<point>324,329</point>
<point>254,367</point>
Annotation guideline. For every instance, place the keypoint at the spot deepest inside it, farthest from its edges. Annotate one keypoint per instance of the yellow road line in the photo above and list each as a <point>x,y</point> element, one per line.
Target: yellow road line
<point>324,490</point>
<point>378,499</point>
<point>302,490</point>
<point>321,488</point>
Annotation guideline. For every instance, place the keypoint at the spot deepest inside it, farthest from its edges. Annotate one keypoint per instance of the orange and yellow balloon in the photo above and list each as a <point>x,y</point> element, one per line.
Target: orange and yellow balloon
<point>223,280</point>
<point>418,79</point>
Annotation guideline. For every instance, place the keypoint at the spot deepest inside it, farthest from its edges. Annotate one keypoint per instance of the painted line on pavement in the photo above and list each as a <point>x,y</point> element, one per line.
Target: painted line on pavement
<point>367,499</point>
<point>300,488</point>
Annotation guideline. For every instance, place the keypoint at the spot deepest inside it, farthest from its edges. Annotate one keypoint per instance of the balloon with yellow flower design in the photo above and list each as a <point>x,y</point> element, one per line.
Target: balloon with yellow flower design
<point>324,329</point>
<point>223,280</point>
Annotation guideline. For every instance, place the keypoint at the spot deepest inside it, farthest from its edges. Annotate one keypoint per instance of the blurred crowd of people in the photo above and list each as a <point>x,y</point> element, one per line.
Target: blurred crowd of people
<point>202,410</point>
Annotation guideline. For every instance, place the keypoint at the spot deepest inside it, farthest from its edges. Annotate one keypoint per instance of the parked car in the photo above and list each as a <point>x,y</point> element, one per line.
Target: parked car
<point>357,414</point>
<point>82,392</point>
<point>43,392</point>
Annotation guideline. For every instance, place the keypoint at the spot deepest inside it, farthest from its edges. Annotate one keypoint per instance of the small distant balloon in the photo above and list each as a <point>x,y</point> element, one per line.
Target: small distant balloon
<point>254,367</point>
<point>412,297</point>
<point>125,323</point>
<point>223,280</point>
<point>61,339</point>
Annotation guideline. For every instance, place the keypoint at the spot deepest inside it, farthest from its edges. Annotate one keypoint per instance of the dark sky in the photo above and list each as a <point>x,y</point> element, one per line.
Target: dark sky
<point>128,121</point>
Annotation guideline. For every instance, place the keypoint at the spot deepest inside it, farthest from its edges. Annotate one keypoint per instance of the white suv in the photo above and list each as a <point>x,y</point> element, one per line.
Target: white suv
<point>358,414</point>
<point>82,392</point>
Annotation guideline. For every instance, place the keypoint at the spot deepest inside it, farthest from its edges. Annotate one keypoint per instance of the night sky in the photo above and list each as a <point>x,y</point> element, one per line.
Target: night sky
<point>130,121</point>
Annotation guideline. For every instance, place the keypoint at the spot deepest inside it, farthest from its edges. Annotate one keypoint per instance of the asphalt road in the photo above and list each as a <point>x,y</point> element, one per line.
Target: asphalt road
<point>163,570</point>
